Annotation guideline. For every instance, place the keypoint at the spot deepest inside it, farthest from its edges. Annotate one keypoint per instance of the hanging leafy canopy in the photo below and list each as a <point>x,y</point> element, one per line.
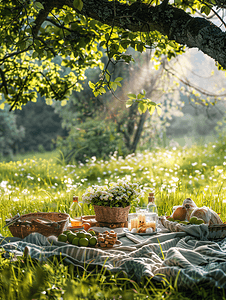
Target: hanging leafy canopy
<point>41,40</point>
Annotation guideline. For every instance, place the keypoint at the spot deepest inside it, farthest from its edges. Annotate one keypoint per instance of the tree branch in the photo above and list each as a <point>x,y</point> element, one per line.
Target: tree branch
<point>194,32</point>
<point>3,81</point>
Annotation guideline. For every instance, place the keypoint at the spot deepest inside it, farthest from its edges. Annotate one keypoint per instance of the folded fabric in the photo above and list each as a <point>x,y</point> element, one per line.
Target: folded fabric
<point>173,256</point>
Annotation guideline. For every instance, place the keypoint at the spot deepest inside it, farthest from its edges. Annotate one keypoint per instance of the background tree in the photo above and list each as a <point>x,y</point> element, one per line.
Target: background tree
<point>33,33</point>
<point>42,126</point>
<point>10,134</point>
<point>86,117</point>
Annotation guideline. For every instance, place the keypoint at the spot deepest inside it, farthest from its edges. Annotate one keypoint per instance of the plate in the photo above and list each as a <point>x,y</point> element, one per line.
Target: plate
<point>75,228</point>
<point>148,233</point>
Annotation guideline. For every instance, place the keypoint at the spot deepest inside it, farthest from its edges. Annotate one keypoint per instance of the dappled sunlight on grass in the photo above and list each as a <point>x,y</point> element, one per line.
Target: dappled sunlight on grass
<point>173,174</point>
<point>41,184</point>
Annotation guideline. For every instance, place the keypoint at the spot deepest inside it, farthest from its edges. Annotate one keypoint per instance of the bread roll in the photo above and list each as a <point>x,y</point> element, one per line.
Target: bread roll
<point>207,215</point>
<point>189,205</point>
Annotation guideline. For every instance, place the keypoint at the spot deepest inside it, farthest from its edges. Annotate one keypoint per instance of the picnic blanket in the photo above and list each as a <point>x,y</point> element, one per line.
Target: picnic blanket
<point>177,256</point>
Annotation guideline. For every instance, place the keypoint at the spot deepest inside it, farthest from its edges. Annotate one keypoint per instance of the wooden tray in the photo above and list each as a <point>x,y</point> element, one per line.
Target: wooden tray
<point>91,219</point>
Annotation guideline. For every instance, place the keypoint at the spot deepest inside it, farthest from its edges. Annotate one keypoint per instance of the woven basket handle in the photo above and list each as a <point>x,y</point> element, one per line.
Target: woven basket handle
<point>47,224</point>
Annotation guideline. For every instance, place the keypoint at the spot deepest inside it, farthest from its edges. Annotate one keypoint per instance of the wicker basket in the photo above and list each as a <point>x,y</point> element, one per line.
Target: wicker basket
<point>47,224</point>
<point>216,231</point>
<point>107,214</point>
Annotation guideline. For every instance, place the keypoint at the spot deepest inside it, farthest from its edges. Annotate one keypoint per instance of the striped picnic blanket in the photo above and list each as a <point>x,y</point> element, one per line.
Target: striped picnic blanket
<point>173,256</point>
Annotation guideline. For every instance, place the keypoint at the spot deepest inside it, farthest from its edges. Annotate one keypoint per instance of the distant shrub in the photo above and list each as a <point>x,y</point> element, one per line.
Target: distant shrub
<point>42,126</point>
<point>181,126</point>
<point>41,149</point>
<point>91,138</point>
<point>10,133</point>
<point>204,125</point>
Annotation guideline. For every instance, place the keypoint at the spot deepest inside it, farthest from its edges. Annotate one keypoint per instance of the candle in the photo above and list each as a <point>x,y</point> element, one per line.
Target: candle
<point>142,218</point>
<point>151,224</point>
<point>134,223</point>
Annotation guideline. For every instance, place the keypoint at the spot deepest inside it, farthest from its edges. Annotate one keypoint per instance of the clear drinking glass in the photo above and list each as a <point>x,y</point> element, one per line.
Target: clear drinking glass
<point>151,220</point>
<point>132,221</point>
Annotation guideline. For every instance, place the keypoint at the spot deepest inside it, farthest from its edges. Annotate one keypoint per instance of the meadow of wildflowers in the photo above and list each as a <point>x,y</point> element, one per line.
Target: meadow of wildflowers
<point>39,184</point>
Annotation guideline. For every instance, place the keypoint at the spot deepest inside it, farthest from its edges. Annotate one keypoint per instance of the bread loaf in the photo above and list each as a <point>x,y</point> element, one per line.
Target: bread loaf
<point>189,205</point>
<point>207,215</point>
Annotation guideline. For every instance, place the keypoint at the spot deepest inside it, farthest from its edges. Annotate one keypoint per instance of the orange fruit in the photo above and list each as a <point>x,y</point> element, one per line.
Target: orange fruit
<point>179,213</point>
<point>86,226</point>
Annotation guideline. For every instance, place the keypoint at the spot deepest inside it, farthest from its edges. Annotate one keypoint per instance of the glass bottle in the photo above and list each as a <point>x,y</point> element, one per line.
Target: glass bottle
<point>152,209</point>
<point>75,212</point>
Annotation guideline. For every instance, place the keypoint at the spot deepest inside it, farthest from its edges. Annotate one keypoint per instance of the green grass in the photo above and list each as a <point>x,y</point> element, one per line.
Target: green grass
<point>40,183</point>
<point>33,155</point>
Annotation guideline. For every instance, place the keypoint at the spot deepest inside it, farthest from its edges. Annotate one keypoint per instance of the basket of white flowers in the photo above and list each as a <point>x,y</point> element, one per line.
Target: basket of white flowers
<point>112,202</point>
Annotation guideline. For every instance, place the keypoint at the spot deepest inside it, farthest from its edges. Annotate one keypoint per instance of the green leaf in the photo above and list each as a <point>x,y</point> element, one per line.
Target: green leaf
<point>107,76</point>
<point>129,103</point>
<point>102,90</point>
<point>2,105</point>
<point>102,43</point>
<point>203,8</point>
<point>151,109</point>
<point>152,103</point>
<point>142,107</point>
<point>114,86</point>
<point>63,102</point>
<point>93,24</point>
<point>49,101</point>
<point>172,44</point>
<point>34,54</point>
<point>159,110</point>
<point>207,10</point>
<point>140,96</point>
<point>118,79</point>
<point>91,85</point>
<point>78,4</point>
<point>38,5</point>
<point>156,66</point>
<point>22,45</point>
<point>140,48</point>
<point>132,96</point>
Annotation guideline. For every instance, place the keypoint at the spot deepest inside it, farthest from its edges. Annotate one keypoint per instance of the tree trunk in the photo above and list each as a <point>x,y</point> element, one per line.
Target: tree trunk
<point>139,132</point>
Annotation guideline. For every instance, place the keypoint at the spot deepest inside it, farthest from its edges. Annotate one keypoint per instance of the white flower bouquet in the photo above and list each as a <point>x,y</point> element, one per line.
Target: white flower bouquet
<point>116,194</point>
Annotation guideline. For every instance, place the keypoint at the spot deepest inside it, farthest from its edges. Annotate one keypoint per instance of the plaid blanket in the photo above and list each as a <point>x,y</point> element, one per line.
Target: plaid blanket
<point>173,256</point>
